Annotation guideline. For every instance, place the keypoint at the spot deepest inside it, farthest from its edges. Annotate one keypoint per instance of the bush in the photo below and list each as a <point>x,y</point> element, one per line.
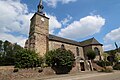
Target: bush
<point>91,55</point>
<point>61,60</point>
<point>27,59</point>
<point>104,63</point>
<point>107,70</point>
<point>116,66</point>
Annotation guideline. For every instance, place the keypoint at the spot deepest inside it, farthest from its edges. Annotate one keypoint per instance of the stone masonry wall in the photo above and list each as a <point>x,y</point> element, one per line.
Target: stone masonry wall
<point>55,45</point>
<point>38,36</point>
<point>101,51</point>
<point>6,73</point>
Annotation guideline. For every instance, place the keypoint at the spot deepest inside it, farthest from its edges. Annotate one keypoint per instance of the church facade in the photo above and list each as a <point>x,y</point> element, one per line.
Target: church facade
<point>41,41</point>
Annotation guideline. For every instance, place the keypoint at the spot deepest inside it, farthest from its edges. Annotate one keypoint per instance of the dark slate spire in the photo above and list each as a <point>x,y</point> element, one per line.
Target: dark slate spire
<point>40,7</point>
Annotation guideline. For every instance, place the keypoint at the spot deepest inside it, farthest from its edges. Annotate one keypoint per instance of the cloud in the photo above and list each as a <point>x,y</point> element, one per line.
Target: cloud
<point>114,35</point>
<point>14,39</point>
<point>86,26</point>
<point>53,23</point>
<point>14,19</point>
<point>108,47</point>
<point>14,16</point>
<point>53,3</point>
<point>66,20</point>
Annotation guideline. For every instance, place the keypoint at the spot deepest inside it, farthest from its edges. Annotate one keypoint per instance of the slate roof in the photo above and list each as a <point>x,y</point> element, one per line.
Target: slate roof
<point>60,39</point>
<point>91,41</point>
<point>88,42</point>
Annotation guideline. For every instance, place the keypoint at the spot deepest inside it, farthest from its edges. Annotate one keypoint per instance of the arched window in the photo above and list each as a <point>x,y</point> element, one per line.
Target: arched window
<point>97,51</point>
<point>77,51</point>
<point>62,46</point>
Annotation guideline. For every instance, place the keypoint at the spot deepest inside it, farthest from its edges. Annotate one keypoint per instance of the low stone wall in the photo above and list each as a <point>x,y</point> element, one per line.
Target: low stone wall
<point>6,73</point>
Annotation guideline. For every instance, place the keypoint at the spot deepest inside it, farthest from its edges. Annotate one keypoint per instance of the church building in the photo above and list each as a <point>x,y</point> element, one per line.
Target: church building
<point>41,41</point>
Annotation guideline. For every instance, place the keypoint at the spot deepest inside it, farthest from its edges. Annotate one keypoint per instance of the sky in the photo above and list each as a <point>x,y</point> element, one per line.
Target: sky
<point>72,19</point>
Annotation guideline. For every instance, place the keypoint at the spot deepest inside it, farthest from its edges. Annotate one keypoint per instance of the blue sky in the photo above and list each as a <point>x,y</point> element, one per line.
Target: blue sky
<point>73,19</point>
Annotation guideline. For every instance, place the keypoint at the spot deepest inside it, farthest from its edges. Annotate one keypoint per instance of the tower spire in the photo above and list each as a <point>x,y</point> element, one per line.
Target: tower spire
<point>40,7</point>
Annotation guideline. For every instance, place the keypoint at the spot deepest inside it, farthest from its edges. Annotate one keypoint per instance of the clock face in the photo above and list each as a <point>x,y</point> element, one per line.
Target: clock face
<point>42,19</point>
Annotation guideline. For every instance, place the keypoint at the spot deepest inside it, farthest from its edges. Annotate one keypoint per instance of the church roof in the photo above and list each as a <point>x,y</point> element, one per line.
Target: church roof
<point>91,41</point>
<point>60,39</point>
<point>88,42</point>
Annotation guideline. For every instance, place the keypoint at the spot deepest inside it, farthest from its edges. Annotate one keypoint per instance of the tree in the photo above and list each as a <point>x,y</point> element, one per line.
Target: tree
<point>7,52</point>
<point>1,47</point>
<point>61,60</point>
<point>27,59</point>
<point>91,55</point>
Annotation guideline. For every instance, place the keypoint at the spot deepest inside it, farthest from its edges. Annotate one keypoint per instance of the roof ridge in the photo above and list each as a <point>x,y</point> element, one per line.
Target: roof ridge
<point>64,40</point>
<point>90,41</point>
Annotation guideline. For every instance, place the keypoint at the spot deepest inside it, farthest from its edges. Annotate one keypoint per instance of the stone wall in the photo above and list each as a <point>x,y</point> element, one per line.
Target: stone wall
<point>55,45</point>
<point>6,73</point>
<point>101,51</point>
<point>38,34</point>
<point>86,49</point>
<point>91,47</point>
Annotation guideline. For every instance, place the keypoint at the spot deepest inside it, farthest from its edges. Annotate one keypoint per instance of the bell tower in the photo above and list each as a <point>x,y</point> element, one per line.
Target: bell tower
<point>39,32</point>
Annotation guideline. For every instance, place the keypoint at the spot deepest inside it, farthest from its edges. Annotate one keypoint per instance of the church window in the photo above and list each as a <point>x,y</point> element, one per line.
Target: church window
<point>97,51</point>
<point>77,51</point>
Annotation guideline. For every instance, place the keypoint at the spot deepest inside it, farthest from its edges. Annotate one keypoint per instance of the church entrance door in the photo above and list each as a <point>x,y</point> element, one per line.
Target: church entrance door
<point>82,66</point>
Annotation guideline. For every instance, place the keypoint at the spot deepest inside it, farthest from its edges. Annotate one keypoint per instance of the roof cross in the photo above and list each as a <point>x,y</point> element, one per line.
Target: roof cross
<point>40,7</point>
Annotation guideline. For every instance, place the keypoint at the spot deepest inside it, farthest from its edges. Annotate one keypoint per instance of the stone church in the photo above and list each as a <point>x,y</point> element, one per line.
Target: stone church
<point>41,41</point>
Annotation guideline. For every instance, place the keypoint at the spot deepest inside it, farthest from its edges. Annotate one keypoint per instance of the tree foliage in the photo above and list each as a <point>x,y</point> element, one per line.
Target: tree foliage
<point>27,59</point>
<point>60,58</point>
<point>8,52</point>
<point>104,63</point>
<point>91,54</point>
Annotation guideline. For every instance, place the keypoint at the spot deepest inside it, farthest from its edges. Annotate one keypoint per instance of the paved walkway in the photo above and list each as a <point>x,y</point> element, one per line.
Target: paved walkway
<point>84,76</point>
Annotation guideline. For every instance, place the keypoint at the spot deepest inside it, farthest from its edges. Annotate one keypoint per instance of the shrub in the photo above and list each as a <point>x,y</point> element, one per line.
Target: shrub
<point>27,59</point>
<point>91,54</point>
<point>116,66</point>
<point>104,63</point>
<point>107,70</point>
<point>61,60</point>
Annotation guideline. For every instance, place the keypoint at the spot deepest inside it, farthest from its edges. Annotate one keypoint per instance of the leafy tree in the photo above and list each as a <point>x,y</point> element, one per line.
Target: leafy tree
<point>7,52</point>
<point>61,60</point>
<point>27,59</point>
<point>91,55</point>
<point>117,57</point>
<point>112,56</point>
<point>112,52</point>
<point>1,48</point>
<point>105,55</point>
